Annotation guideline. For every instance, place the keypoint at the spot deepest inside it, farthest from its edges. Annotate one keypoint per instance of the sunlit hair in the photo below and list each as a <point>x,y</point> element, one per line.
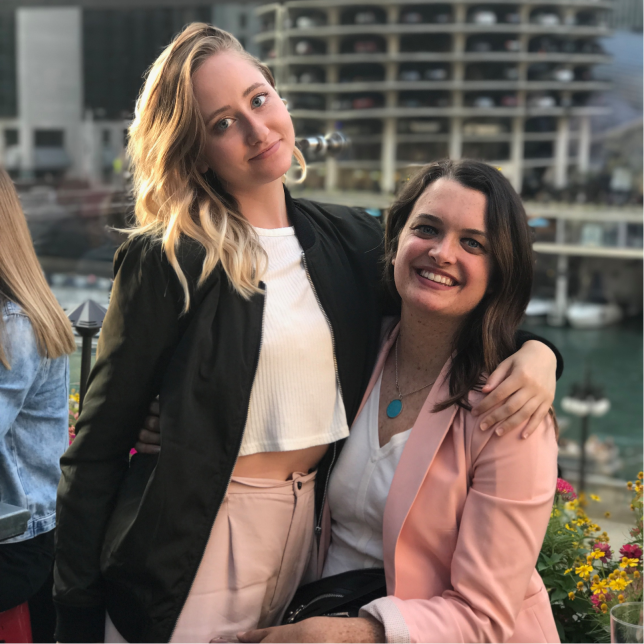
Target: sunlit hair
<point>22,281</point>
<point>166,143</point>
<point>487,336</point>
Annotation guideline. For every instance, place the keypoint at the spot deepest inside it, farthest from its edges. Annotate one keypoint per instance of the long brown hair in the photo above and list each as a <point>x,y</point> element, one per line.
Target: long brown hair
<point>166,143</point>
<point>22,280</point>
<point>486,337</point>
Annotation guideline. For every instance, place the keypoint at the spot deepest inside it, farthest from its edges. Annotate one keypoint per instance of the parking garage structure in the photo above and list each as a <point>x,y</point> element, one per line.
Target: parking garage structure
<point>510,82</point>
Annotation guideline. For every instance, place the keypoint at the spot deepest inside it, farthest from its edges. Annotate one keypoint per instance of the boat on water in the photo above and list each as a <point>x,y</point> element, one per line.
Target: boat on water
<point>602,456</point>
<point>539,309</point>
<point>589,315</point>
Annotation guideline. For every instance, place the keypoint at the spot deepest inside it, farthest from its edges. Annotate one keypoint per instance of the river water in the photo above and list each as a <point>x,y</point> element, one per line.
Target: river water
<point>614,356</point>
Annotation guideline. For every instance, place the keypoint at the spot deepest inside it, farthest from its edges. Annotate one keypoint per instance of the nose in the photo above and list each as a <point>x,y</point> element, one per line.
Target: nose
<point>256,129</point>
<point>443,250</point>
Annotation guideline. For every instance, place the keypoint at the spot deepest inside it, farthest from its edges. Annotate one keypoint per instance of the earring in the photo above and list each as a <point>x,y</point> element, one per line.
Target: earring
<point>393,261</point>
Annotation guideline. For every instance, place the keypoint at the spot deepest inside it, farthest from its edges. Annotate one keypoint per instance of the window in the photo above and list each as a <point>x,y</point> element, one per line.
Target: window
<point>49,138</point>
<point>106,137</point>
<point>8,84</point>
<point>243,20</point>
<point>11,137</point>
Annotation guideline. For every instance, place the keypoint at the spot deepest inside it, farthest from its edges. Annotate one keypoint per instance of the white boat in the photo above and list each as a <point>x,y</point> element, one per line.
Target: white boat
<point>538,308</point>
<point>585,315</point>
<point>602,456</point>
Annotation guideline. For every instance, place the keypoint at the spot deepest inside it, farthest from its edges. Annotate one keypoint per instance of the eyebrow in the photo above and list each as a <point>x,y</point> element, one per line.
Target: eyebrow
<point>227,107</point>
<point>438,220</point>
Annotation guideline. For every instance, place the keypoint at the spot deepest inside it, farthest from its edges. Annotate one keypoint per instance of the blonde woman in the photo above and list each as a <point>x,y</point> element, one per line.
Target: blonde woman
<point>255,317</point>
<point>35,338</point>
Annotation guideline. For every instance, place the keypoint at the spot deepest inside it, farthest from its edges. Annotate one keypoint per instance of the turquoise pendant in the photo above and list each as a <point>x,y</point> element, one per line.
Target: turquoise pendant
<point>394,408</point>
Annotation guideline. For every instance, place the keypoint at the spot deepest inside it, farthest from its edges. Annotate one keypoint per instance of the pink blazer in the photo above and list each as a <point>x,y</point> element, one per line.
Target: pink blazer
<point>463,525</point>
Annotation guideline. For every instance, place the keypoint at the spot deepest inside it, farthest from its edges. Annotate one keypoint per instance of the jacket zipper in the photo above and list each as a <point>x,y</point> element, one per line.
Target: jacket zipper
<point>318,523</point>
<point>293,616</point>
<point>241,440</point>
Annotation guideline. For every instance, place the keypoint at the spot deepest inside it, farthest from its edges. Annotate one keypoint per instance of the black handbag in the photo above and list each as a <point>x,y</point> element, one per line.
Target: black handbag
<point>340,595</point>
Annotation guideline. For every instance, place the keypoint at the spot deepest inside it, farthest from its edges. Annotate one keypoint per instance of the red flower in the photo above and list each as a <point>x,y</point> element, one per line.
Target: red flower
<point>631,550</point>
<point>565,490</point>
<point>605,548</point>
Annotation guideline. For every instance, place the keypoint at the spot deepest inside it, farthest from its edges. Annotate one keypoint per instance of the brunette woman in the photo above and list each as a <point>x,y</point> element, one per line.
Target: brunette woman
<point>256,319</point>
<point>35,338</point>
<point>455,516</point>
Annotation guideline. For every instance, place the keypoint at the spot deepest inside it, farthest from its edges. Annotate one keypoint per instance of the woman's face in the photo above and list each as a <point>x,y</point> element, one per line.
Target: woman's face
<point>249,132</point>
<point>443,264</point>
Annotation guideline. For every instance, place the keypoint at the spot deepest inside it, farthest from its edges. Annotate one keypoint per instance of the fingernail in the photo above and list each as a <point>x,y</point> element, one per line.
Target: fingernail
<point>500,431</point>
<point>484,426</point>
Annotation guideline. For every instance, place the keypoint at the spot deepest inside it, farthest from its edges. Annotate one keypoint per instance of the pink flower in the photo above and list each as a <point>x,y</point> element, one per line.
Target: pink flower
<point>565,490</point>
<point>605,548</point>
<point>631,550</point>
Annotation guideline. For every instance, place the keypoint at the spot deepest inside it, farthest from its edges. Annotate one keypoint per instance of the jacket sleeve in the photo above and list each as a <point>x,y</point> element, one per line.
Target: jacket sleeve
<point>22,352</point>
<point>140,331</point>
<point>501,531</point>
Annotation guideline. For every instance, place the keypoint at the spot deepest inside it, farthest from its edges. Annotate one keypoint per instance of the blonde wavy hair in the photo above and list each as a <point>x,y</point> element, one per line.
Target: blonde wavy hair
<point>166,142</point>
<point>22,281</point>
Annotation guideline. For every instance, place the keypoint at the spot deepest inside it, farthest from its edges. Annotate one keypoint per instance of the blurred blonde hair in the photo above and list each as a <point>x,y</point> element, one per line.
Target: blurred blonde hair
<point>22,280</point>
<point>166,142</point>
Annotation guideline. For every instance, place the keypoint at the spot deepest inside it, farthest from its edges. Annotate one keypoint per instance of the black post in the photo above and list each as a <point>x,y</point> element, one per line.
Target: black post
<point>582,461</point>
<point>87,319</point>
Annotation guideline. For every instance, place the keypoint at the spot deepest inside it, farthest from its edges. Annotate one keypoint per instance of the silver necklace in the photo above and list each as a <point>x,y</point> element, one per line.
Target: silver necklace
<point>395,406</point>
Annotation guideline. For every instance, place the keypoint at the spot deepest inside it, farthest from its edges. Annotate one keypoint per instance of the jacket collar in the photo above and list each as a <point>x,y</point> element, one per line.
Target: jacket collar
<point>423,443</point>
<point>303,229</point>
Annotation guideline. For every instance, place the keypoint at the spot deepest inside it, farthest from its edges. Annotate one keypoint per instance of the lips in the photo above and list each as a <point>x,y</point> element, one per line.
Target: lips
<point>267,152</point>
<point>438,277</point>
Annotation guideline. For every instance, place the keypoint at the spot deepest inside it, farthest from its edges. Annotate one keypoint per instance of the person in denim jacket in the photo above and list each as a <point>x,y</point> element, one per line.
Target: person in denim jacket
<point>35,338</point>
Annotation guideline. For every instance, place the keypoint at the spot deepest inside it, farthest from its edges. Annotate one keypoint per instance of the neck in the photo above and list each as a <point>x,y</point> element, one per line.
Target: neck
<point>264,206</point>
<point>426,343</point>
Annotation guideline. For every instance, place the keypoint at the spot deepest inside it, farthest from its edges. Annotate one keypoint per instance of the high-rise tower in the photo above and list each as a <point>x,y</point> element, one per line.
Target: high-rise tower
<point>509,81</point>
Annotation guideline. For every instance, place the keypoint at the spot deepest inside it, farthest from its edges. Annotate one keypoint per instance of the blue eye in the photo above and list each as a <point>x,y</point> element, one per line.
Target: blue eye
<point>426,229</point>
<point>472,243</point>
<point>258,100</point>
<point>223,125</point>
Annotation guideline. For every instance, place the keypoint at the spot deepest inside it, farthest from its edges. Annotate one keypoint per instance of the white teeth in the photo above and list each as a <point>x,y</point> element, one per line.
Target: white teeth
<point>441,279</point>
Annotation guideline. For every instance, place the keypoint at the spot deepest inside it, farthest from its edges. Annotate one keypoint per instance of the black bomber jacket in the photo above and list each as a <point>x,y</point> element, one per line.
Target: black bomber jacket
<point>131,533</point>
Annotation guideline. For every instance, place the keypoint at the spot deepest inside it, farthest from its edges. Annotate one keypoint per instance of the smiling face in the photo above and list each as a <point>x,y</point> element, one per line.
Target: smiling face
<point>443,264</point>
<point>249,132</point>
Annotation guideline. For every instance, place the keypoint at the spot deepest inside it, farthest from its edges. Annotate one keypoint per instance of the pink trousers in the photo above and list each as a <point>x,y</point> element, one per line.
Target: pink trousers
<point>256,556</point>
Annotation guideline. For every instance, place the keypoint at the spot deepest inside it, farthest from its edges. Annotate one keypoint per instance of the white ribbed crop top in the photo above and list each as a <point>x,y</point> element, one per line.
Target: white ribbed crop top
<point>295,401</point>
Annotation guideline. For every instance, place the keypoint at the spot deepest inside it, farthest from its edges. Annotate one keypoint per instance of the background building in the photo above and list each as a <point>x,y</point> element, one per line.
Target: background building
<point>508,82</point>
<point>69,77</point>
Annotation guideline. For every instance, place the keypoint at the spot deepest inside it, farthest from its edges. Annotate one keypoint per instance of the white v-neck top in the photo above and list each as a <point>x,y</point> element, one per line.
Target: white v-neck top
<point>295,401</point>
<point>358,492</point>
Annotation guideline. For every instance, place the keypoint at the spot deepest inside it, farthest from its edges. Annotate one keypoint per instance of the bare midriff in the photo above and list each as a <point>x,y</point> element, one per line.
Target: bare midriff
<point>279,465</point>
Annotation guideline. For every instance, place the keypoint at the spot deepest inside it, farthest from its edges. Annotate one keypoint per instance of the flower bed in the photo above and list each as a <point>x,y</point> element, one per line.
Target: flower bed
<point>582,574</point>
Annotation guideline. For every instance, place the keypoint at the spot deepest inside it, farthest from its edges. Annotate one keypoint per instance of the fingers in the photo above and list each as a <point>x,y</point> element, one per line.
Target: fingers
<point>535,420</point>
<point>154,407</point>
<point>151,423</point>
<point>145,448</point>
<point>520,417</point>
<point>153,438</point>
<point>256,635</point>
<point>506,410</point>
<point>498,375</point>
<point>502,392</point>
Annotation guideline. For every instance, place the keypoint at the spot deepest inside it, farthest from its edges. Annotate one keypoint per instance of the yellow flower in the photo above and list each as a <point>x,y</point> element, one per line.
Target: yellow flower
<point>636,574</point>
<point>629,563</point>
<point>584,571</point>
<point>620,599</point>
<point>580,585</point>
<point>604,608</point>
<point>599,587</point>
<point>629,485</point>
<point>567,571</point>
<point>594,497</point>
<point>569,528</point>
<point>595,579</point>
<point>571,596</point>
<point>602,598</point>
<point>640,476</point>
<point>620,584</point>
<point>607,515</point>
